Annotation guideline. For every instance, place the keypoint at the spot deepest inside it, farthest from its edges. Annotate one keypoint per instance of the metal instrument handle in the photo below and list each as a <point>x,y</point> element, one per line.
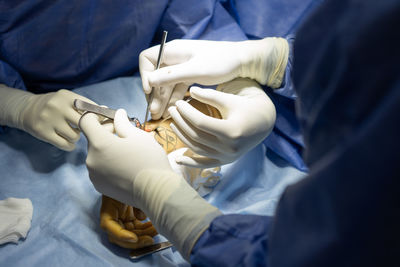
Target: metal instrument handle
<point>139,253</point>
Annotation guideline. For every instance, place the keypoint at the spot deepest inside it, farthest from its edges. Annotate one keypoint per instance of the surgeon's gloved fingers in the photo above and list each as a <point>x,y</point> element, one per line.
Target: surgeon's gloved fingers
<point>148,60</point>
<point>122,211</point>
<point>147,63</point>
<point>170,75</point>
<point>72,135</point>
<point>128,215</point>
<point>108,125</point>
<point>142,242</point>
<point>191,132</point>
<point>93,130</point>
<point>161,97</point>
<point>211,97</point>
<point>73,117</point>
<point>139,214</point>
<point>139,225</point>
<point>201,121</point>
<point>194,145</point>
<point>177,94</point>
<point>59,141</point>
<point>197,161</point>
<point>150,231</point>
<point>114,228</point>
<point>188,128</point>
<point>129,226</point>
<point>122,125</point>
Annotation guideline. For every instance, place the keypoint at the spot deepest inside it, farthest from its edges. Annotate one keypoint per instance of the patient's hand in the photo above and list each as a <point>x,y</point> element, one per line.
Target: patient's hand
<point>123,224</point>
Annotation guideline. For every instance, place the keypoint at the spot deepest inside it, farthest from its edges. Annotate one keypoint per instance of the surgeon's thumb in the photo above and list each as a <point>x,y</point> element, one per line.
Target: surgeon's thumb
<point>122,124</point>
<point>91,128</point>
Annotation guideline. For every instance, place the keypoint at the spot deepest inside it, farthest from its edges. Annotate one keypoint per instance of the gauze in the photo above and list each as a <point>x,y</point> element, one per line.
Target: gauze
<point>15,219</point>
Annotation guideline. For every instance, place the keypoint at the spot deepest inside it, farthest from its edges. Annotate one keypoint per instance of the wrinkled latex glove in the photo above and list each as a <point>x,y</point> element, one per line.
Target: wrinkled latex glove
<point>131,167</point>
<point>248,116</point>
<point>50,117</point>
<point>186,62</point>
<point>123,224</point>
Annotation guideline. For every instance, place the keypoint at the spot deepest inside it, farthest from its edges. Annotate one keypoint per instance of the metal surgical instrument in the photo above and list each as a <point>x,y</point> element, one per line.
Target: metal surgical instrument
<point>159,59</point>
<point>139,253</point>
<point>106,112</point>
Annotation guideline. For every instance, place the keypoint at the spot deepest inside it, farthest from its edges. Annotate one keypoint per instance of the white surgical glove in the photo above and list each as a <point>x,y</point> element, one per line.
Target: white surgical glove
<point>209,63</point>
<point>133,168</point>
<point>50,117</point>
<point>248,116</point>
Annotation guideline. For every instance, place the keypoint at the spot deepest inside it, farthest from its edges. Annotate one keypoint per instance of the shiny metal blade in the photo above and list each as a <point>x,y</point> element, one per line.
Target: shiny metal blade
<point>159,60</point>
<point>85,106</point>
<point>139,253</point>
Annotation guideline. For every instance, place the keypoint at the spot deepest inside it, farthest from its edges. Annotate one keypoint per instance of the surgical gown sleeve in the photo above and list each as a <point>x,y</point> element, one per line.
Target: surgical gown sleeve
<point>233,240</point>
<point>346,212</point>
<point>11,78</point>
<point>286,139</point>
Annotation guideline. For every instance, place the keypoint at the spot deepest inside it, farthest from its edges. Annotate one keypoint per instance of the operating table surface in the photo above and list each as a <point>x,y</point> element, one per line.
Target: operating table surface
<point>65,227</point>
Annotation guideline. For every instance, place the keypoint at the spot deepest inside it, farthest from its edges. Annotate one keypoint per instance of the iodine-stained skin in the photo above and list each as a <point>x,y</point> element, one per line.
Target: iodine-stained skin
<point>166,137</point>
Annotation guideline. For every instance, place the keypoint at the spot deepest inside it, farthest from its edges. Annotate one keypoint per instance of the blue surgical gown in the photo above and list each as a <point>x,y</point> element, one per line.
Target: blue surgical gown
<point>48,45</point>
<point>347,211</point>
<point>71,43</point>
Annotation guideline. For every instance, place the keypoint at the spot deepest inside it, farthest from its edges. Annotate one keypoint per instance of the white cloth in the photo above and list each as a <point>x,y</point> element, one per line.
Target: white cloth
<point>203,180</point>
<point>15,219</point>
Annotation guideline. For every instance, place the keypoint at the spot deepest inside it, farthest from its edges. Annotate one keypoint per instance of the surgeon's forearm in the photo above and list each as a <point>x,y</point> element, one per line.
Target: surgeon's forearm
<point>233,240</point>
<point>11,104</point>
<point>175,208</point>
<point>267,62</point>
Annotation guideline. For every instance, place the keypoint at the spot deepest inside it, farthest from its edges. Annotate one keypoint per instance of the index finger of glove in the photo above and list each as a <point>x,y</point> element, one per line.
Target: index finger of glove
<point>143,241</point>
<point>139,214</point>
<point>114,228</point>
<point>92,129</point>
<point>217,99</point>
<point>184,72</point>
<point>148,60</point>
<point>122,125</point>
<point>147,63</point>
<point>160,100</point>
<point>199,120</point>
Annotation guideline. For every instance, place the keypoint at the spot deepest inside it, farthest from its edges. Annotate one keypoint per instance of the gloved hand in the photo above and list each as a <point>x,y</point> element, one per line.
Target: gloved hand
<point>209,63</point>
<point>49,117</point>
<point>248,116</point>
<point>134,169</point>
<point>123,224</point>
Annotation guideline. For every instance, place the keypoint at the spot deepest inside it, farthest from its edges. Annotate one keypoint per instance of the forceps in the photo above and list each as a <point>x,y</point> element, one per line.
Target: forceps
<point>106,112</point>
<point>159,59</point>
